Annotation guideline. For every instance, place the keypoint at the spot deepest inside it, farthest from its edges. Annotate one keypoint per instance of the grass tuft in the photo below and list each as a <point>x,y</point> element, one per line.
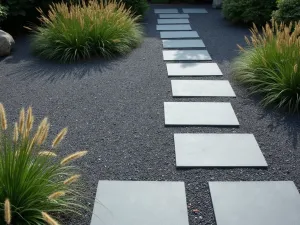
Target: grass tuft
<point>35,186</point>
<point>72,32</point>
<point>269,65</point>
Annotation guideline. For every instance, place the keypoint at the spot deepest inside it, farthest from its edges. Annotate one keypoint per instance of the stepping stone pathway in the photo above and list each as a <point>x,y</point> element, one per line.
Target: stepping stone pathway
<point>193,69</point>
<point>174,16</point>
<point>166,11</point>
<point>173,27</point>
<point>202,88</point>
<point>140,203</point>
<point>172,21</point>
<point>179,34</point>
<point>164,203</point>
<point>256,203</point>
<point>200,113</point>
<point>194,10</point>
<point>218,150</point>
<point>186,55</point>
<point>192,43</point>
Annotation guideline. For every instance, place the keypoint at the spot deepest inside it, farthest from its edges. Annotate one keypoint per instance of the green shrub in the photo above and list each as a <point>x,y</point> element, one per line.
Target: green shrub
<point>137,7</point>
<point>248,11</point>
<point>33,182</point>
<point>3,12</point>
<point>288,11</point>
<point>71,33</point>
<point>270,65</point>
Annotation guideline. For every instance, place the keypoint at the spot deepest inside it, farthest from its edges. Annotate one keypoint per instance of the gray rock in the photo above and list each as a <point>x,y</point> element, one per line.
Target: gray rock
<point>6,43</point>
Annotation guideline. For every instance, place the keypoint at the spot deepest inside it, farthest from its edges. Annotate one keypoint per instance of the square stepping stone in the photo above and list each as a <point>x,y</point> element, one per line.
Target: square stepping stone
<point>256,203</point>
<point>200,113</point>
<point>165,10</point>
<point>218,150</point>
<point>172,21</point>
<point>174,27</point>
<point>193,69</point>
<point>194,10</point>
<point>140,203</point>
<point>186,55</point>
<point>178,16</point>
<point>179,34</point>
<point>202,88</point>
<point>193,43</point>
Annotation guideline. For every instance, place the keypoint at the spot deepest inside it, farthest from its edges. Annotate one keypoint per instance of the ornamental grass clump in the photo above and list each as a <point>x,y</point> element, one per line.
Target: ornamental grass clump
<point>36,184</point>
<point>71,32</point>
<point>270,65</point>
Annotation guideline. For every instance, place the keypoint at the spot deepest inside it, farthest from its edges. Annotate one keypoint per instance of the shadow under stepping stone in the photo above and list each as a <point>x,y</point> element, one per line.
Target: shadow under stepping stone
<point>179,34</point>
<point>202,88</point>
<point>256,203</point>
<point>189,55</point>
<point>165,10</point>
<point>218,150</point>
<point>193,69</point>
<point>174,27</point>
<point>193,43</point>
<point>194,10</point>
<point>172,21</point>
<point>174,16</point>
<point>140,203</point>
<point>200,113</point>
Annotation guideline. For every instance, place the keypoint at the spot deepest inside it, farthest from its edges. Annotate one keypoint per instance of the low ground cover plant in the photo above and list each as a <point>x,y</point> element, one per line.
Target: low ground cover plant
<point>3,12</point>
<point>270,65</point>
<point>36,184</point>
<point>137,7</point>
<point>288,11</point>
<point>73,32</point>
<point>248,11</point>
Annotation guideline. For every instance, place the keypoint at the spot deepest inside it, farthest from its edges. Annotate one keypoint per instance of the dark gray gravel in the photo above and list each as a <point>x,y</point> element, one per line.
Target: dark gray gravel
<point>115,110</point>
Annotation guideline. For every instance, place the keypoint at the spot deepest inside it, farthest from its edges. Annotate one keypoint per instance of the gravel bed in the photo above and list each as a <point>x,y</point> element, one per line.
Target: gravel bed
<point>115,110</point>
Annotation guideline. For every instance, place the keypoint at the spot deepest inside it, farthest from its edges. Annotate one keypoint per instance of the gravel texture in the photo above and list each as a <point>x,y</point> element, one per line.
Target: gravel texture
<point>115,110</point>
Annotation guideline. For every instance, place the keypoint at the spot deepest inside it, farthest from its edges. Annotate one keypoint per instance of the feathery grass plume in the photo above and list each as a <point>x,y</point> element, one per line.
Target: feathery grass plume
<point>3,117</point>
<point>26,167</point>
<point>47,153</point>
<point>16,133</point>
<point>7,211</point>
<point>59,137</point>
<point>269,65</point>
<point>72,157</point>
<point>70,32</point>
<point>22,121</point>
<point>72,179</point>
<point>49,219</point>
<point>56,195</point>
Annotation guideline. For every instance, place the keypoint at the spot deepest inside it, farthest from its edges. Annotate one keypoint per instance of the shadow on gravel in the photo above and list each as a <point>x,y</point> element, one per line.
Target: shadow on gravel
<point>28,67</point>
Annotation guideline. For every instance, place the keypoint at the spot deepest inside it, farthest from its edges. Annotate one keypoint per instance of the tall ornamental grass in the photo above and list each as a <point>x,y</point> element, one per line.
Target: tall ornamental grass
<point>36,184</point>
<point>71,32</point>
<point>269,65</point>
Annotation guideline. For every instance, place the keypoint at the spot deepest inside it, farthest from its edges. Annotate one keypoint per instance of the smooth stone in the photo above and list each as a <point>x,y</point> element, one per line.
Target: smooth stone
<point>174,27</point>
<point>202,88</point>
<point>177,16</point>
<point>140,203</point>
<point>179,34</point>
<point>193,43</point>
<point>172,21</point>
<point>165,10</point>
<point>256,203</point>
<point>194,10</point>
<point>218,150</point>
<point>6,43</point>
<point>193,69</point>
<point>186,55</point>
<point>200,113</point>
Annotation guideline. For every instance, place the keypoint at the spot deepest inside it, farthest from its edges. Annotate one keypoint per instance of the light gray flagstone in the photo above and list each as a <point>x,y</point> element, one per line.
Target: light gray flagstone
<point>194,10</point>
<point>172,21</point>
<point>256,203</point>
<point>174,27</point>
<point>175,43</point>
<point>165,10</point>
<point>179,34</point>
<point>189,55</point>
<point>140,203</point>
<point>193,69</point>
<point>218,150</point>
<point>200,113</point>
<point>177,15</point>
